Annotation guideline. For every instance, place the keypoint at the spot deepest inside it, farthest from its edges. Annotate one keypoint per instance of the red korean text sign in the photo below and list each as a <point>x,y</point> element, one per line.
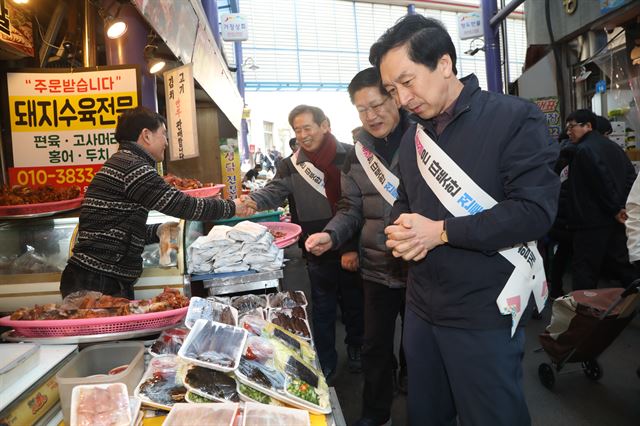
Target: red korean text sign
<point>63,123</point>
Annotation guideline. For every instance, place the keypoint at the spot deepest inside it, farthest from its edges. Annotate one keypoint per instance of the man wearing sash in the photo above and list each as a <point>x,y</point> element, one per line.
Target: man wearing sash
<point>369,189</point>
<point>312,176</point>
<point>477,189</point>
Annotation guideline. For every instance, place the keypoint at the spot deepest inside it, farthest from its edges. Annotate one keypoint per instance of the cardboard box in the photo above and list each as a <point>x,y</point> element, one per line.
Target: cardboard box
<point>618,127</point>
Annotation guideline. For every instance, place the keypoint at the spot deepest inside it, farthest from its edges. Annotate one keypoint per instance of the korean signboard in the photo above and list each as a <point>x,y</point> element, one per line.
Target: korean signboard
<point>470,25</point>
<point>233,27</point>
<point>230,164</point>
<point>63,123</point>
<point>550,106</point>
<point>181,113</point>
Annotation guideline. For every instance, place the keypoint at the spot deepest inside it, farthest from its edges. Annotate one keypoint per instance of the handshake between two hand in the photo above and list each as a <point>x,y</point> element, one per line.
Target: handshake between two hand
<point>245,206</point>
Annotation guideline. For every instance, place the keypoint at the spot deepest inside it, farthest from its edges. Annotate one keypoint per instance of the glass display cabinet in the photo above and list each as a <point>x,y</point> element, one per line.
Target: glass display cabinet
<point>34,252</point>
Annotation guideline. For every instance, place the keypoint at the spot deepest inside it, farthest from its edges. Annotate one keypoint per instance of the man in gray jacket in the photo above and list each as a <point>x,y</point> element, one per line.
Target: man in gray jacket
<point>368,192</point>
<point>312,176</point>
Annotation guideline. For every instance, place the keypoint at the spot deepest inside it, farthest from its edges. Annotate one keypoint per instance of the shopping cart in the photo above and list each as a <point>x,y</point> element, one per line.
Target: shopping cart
<point>583,324</point>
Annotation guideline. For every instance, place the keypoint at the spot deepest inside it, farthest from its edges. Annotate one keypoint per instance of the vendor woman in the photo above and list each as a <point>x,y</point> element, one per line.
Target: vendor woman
<point>113,231</point>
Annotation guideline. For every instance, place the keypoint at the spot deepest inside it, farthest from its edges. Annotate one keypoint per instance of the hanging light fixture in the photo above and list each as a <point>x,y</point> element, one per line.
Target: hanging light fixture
<point>114,26</point>
<point>155,62</point>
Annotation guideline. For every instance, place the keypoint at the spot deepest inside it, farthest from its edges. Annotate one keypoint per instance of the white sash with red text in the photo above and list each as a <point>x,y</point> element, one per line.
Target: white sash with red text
<point>310,173</point>
<point>461,196</point>
<point>385,182</point>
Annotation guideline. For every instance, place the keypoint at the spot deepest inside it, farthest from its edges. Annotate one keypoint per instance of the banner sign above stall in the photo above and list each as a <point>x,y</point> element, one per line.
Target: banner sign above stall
<point>179,92</point>
<point>16,31</point>
<point>234,27</point>
<point>63,122</point>
<point>470,25</point>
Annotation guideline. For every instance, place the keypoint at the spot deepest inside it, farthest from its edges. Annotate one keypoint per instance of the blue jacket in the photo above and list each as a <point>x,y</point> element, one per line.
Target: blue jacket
<point>503,144</point>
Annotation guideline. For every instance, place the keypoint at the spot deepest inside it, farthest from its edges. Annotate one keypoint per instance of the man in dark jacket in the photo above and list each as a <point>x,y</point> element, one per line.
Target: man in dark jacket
<point>366,205</point>
<point>477,187</point>
<point>312,176</point>
<point>600,177</point>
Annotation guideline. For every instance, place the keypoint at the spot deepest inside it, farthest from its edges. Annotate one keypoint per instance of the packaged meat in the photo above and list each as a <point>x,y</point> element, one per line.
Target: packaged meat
<point>296,325</point>
<point>221,414</point>
<point>287,342</point>
<point>161,385</point>
<point>211,384</point>
<point>214,345</point>
<point>169,342</point>
<point>287,299</point>
<point>267,415</point>
<point>210,310</point>
<point>100,405</point>
<point>248,302</point>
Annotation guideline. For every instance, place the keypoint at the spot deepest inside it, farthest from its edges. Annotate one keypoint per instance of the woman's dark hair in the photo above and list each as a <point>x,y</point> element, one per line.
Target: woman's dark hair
<point>318,114</point>
<point>369,77</point>
<point>427,41</point>
<point>583,116</point>
<point>134,120</point>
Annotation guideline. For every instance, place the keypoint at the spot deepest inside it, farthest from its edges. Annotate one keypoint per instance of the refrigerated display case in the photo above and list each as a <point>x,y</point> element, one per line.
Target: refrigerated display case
<point>35,251</point>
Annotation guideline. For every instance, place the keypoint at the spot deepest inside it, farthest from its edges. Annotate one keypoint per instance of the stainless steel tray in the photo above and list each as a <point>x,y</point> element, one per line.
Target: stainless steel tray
<point>11,336</point>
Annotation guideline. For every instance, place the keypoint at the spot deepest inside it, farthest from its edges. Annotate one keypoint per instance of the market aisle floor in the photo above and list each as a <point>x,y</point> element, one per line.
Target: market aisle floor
<point>575,400</point>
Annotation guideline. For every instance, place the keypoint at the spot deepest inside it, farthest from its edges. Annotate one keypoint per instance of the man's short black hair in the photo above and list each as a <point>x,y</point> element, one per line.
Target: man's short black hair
<point>427,41</point>
<point>583,116</point>
<point>292,143</point>
<point>603,125</point>
<point>318,114</point>
<point>369,77</point>
<point>134,120</point>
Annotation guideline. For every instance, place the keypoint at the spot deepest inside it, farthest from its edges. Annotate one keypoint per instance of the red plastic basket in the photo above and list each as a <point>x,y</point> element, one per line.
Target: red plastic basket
<point>90,326</point>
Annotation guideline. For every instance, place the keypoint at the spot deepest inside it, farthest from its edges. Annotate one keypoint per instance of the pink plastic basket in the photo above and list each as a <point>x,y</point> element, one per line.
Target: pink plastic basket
<point>90,326</point>
<point>291,230</point>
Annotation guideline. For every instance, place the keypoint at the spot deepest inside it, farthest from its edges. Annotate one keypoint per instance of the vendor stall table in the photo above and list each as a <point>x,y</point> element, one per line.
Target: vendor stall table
<point>236,282</point>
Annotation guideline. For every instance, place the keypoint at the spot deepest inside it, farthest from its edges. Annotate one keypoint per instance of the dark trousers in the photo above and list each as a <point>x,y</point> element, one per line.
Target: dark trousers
<point>598,248</point>
<point>330,284</point>
<point>381,308</point>
<point>560,260</point>
<point>75,278</point>
<point>475,375</point>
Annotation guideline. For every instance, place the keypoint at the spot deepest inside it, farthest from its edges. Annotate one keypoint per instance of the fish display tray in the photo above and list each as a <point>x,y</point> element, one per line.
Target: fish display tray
<point>92,326</point>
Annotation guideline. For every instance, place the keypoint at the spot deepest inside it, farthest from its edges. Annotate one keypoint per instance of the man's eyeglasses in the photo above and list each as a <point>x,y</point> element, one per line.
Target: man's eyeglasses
<point>572,125</point>
<point>376,108</point>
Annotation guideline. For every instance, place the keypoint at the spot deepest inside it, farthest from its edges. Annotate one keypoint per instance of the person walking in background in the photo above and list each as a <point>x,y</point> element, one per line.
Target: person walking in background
<point>312,176</point>
<point>476,179</point>
<point>600,177</point>
<point>252,174</point>
<point>365,208</point>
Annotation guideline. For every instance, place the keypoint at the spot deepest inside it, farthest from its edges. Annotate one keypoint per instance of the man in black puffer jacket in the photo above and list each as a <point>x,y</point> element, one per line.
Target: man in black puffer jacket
<point>365,206</point>
<point>600,177</point>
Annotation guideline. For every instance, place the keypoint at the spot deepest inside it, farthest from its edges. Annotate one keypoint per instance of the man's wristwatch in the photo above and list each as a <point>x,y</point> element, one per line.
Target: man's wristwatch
<point>443,235</point>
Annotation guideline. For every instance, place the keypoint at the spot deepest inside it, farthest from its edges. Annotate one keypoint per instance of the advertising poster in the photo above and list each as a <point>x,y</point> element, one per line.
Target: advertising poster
<point>63,123</point>
<point>181,113</point>
<point>230,166</point>
<point>16,30</point>
<point>550,106</point>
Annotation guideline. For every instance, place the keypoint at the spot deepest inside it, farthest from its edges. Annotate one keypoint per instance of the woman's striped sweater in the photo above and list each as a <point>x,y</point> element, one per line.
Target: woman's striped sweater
<point>113,231</point>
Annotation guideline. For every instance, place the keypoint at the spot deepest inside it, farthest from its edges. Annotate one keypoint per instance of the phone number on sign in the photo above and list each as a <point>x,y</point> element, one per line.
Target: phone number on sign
<point>67,176</point>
